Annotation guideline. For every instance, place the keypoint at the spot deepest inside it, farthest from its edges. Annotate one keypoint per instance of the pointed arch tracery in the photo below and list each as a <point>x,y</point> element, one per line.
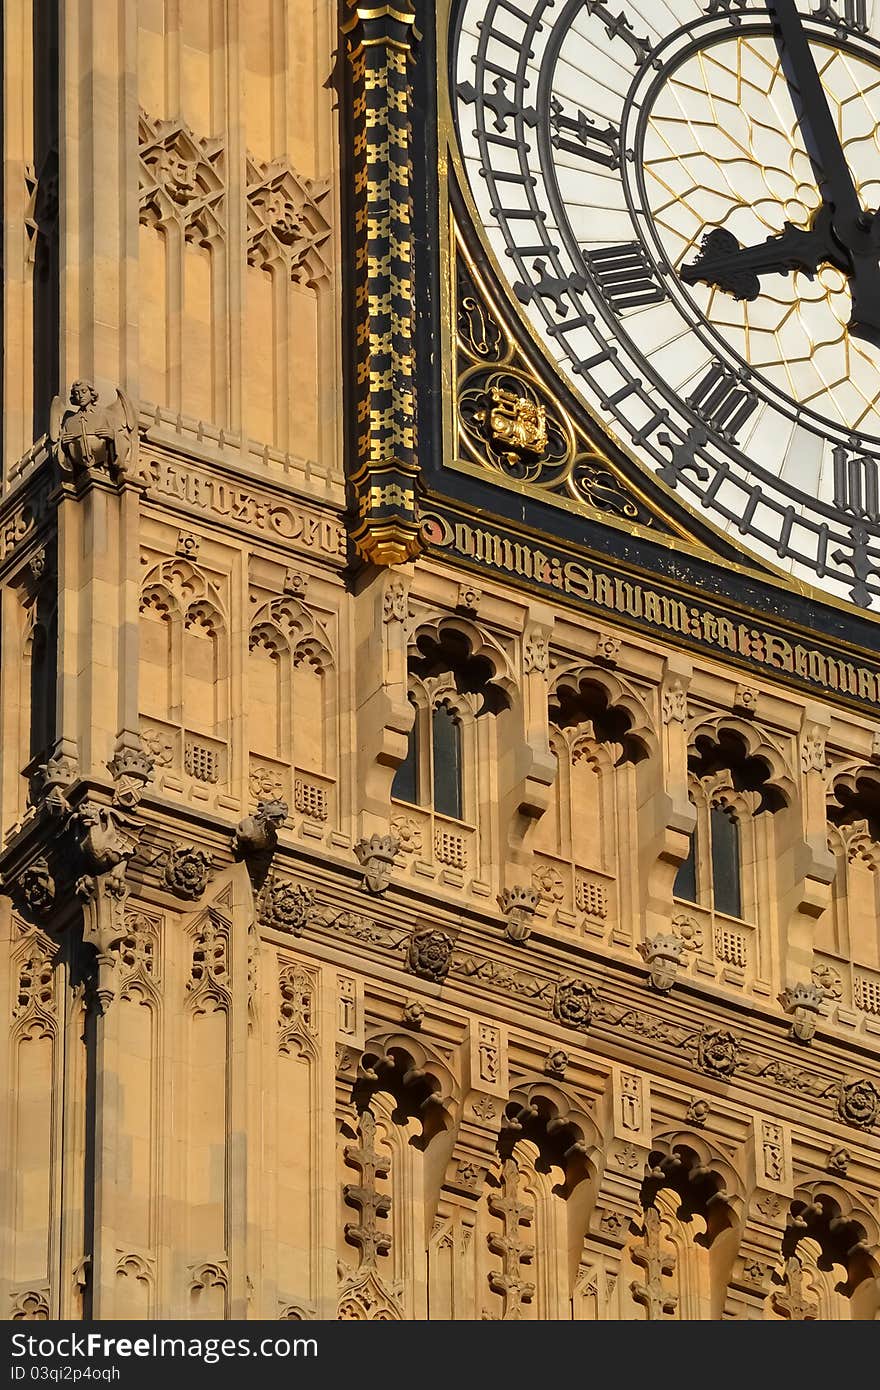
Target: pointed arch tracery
<point>184,673</point>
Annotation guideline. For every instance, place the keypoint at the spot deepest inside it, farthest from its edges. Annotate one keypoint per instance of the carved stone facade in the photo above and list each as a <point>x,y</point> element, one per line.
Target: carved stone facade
<point>351,903</point>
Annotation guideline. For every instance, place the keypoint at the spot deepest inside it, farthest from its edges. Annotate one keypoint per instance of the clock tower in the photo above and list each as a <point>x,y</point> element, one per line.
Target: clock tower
<point>440,660</point>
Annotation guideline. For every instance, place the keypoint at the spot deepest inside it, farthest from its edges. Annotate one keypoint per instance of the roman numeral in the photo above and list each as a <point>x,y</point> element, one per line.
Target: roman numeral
<point>581,136</point>
<point>728,7</point>
<point>723,402</point>
<point>499,103</point>
<point>617,26</point>
<point>849,17</point>
<point>856,487</point>
<point>552,287</point>
<point>624,276</point>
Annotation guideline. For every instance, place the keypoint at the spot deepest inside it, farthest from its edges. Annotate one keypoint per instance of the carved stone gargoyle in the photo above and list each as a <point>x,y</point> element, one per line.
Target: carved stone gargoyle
<point>803,1002</point>
<point>376,857</point>
<point>662,955</point>
<point>258,834</point>
<point>106,836</point>
<point>90,435</point>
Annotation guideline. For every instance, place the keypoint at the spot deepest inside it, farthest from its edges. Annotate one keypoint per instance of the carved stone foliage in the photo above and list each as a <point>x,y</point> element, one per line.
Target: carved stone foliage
<point>573,1003</point>
<point>395,600</point>
<point>284,905</point>
<point>430,954</point>
<point>697,1114</point>
<point>36,888</point>
<point>363,1293</point>
<point>792,1301</point>
<point>859,1104</point>
<point>187,871</point>
<point>556,1063</point>
<point>41,210</point>
<point>372,1206</point>
<point>182,179</point>
<point>408,834</point>
<point>658,1263</point>
<point>207,988</point>
<point>286,226</point>
<point>718,1052</point>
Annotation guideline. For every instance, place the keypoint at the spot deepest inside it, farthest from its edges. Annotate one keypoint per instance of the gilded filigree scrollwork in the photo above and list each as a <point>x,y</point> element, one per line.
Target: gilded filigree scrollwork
<point>509,424</point>
<point>480,335</point>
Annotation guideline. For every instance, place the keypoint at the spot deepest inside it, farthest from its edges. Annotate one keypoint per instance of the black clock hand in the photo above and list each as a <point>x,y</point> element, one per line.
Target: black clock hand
<point>843,234</point>
<point>735,269</point>
<point>851,226</point>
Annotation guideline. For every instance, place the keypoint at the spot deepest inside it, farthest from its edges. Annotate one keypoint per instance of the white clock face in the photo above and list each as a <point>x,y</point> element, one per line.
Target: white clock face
<point>628,162</point>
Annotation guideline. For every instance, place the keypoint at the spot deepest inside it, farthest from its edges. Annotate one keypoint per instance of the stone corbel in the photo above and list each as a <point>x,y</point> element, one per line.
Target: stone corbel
<point>384,713</point>
<point>667,818</point>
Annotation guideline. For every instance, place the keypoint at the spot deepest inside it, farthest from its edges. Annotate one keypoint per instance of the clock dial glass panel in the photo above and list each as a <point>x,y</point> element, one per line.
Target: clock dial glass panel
<point>603,144</point>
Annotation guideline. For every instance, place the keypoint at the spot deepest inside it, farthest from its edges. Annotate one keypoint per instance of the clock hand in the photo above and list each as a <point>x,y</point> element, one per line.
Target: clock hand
<point>817,123</point>
<point>722,262</point>
<point>853,229</point>
<point>842,234</point>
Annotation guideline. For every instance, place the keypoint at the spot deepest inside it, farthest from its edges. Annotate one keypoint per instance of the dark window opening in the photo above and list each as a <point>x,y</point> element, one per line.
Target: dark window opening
<point>686,879</point>
<point>405,786</point>
<point>446,750</point>
<point>726,885</point>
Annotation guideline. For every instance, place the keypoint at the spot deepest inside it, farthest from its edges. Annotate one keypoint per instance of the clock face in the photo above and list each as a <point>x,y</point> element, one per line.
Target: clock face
<point>683,199</point>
